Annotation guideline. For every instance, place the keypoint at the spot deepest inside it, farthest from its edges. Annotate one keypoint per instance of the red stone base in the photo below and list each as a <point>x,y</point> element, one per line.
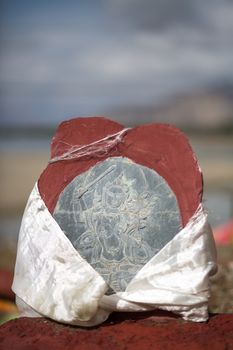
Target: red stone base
<point>122,331</point>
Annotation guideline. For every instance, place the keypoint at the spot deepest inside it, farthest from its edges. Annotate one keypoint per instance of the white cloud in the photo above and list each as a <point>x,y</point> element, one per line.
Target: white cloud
<point>92,65</point>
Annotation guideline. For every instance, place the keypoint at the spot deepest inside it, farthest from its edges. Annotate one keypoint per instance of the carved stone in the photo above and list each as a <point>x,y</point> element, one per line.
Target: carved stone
<point>160,147</point>
<point>118,215</point>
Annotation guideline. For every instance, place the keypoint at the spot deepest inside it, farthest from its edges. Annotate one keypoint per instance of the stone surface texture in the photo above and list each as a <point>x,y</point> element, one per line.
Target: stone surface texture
<point>160,147</point>
<point>140,332</point>
<point>118,215</point>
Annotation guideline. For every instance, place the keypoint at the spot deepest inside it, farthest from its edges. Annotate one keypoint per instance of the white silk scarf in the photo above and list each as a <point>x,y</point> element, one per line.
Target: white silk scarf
<point>51,278</point>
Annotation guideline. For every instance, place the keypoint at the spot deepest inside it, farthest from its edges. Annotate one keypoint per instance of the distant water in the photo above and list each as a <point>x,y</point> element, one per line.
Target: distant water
<point>24,144</point>
<point>219,205</point>
<point>202,147</point>
<point>205,149</point>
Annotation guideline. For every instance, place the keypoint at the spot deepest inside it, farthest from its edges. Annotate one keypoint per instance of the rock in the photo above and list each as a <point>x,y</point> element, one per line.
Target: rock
<point>120,207</point>
<point>118,215</point>
<point>122,331</point>
<point>119,200</point>
<point>160,147</point>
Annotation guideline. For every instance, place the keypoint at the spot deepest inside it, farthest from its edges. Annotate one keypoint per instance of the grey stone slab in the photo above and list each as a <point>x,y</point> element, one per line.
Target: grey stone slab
<point>118,215</point>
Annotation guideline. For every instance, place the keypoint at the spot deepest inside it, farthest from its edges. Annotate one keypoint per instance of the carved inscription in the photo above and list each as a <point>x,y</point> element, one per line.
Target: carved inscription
<point>118,215</point>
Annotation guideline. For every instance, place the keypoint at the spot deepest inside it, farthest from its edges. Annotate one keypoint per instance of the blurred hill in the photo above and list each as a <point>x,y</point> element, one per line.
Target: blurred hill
<point>206,110</point>
<point>203,111</point>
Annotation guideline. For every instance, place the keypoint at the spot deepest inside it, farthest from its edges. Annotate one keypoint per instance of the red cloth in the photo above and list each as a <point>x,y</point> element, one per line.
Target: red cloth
<point>223,234</point>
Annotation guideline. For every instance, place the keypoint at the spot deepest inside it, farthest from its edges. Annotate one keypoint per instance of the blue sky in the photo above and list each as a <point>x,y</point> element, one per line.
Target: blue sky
<point>66,58</point>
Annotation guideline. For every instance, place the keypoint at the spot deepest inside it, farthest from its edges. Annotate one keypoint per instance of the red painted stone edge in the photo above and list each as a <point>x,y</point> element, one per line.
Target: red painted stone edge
<point>161,147</point>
